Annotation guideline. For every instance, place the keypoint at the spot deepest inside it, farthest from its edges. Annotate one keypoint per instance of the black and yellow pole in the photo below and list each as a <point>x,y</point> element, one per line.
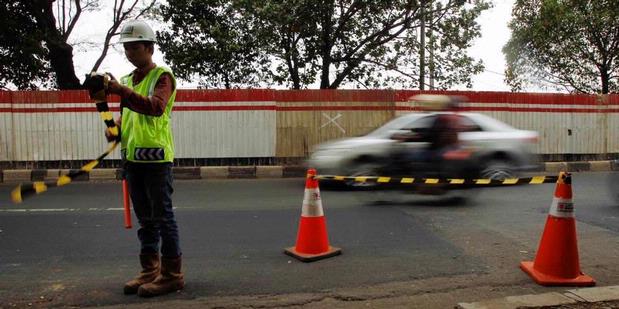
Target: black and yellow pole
<point>534,180</point>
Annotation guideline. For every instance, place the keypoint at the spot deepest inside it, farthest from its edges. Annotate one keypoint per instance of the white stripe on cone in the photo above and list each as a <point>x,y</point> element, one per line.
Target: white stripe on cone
<point>562,208</point>
<point>312,204</point>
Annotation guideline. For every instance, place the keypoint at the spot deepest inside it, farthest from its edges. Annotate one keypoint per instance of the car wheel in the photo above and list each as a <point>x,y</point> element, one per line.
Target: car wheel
<point>363,169</point>
<point>498,170</point>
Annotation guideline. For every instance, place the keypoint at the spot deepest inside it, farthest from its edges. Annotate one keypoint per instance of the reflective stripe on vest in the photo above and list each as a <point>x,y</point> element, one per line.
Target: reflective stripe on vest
<point>147,138</point>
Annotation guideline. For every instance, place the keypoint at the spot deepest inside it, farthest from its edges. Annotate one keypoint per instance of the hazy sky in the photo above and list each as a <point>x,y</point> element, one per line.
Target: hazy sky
<point>495,35</point>
<point>488,48</point>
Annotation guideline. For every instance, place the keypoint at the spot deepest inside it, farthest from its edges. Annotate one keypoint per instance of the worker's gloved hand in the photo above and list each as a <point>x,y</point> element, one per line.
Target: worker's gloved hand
<point>97,85</point>
<point>110,76</point>
<point>113,86</point>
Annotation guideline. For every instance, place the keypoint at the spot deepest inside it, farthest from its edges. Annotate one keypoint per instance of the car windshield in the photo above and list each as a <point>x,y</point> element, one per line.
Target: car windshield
<point>395,124</point>
<point>484,122</point>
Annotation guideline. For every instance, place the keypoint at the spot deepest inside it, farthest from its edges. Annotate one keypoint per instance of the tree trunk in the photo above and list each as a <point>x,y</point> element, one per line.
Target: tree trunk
<point>296,81</point>
<point>342,75</point>
<point>324,71</point>
<point>61,60</point>
<point>293,68</point>
<point>604,77</point>
<point>227,81</point>
<point>60,53</point>
<point>325,50</point>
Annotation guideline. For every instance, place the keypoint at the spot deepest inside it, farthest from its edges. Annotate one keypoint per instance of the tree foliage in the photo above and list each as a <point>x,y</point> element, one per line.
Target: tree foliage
<point>22,60</point>
<point>213,43</point>
<point>567,44</point>
<point>35,49</point>
<point>332,43</point>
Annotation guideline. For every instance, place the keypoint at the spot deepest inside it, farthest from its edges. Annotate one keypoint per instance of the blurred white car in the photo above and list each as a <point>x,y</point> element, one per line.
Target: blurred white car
<point>502,150</point>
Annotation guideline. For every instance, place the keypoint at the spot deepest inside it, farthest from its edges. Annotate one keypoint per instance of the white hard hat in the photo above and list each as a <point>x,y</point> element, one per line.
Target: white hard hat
<point>136,31</point>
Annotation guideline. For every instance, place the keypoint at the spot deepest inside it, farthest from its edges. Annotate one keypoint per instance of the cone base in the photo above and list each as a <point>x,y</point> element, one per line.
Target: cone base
<point>550,280</point>
<point>306,257</point>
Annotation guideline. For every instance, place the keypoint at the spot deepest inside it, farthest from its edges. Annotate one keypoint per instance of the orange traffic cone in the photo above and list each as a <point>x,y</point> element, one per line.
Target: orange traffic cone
<point>312,240</point>
<point>556,262</point>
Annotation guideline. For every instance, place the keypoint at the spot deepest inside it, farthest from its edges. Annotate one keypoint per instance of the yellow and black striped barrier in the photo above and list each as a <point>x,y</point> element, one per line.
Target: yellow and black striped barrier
<point>25,190</point>
<point>449,181</point>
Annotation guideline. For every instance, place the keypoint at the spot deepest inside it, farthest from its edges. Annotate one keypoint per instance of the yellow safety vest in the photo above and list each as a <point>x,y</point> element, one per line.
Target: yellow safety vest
<point>147,138</point>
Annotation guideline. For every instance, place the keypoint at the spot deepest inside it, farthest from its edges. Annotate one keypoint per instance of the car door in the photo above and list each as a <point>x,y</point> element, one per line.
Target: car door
<point>470,131</point>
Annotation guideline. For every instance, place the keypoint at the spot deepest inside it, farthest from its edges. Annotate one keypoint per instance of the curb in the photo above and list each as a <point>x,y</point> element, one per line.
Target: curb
<point>234,172</point>
<point>584,295</point>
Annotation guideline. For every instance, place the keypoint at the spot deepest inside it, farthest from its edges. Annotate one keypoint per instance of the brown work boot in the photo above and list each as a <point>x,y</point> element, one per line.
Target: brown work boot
<point>150,270</point>
<point>169,280</point>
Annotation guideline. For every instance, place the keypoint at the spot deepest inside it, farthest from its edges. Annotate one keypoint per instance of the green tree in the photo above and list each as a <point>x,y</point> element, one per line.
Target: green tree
<point>330,42</point>
<point>22,60</point>
<point>564,44</point>
<point>212,43</point>
<point>35,50</point>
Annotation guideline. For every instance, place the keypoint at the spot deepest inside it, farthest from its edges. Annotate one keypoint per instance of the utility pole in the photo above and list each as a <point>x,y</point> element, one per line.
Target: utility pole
<point>422,46</point>
<point>431,35</point>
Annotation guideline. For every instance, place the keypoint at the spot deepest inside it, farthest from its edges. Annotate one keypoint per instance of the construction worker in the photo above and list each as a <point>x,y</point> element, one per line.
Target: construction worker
<point>147,95</point>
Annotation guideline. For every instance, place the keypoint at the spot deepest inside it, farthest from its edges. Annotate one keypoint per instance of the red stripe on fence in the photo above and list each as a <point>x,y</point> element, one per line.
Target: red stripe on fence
<point>335,108</point>
<point>182,95</point>
<point>55,110</point>
<point>348,96</point>
<point>334,95</point>
<point>226,108</point>
<point>467,109</point>
<point>5,96</point>
<point>315,109</point>
<point>37,97</point>
<point>229,95</point>
<point>518,98</point>
<point>117,109</point>
<point>538,110</point>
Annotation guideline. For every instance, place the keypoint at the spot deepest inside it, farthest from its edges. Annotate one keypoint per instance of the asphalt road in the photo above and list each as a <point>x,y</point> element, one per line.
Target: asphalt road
<point>68,246</point>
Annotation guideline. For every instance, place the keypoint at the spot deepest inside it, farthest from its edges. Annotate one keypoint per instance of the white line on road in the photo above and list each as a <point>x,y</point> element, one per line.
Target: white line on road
<point>22,210</point>
<point>55,209</point>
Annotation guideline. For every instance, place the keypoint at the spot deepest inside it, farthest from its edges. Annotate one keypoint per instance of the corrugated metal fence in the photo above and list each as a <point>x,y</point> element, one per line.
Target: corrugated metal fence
<point>263,123</point>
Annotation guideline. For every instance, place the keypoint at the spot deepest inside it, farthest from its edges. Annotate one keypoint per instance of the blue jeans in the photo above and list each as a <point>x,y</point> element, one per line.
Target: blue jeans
<point>150,186</point>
